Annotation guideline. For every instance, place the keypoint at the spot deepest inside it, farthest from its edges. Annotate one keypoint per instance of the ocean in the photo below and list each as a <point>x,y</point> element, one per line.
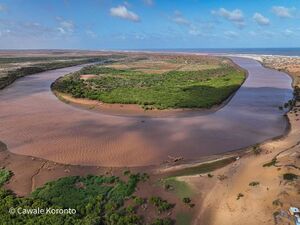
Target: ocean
<point>258,51</point>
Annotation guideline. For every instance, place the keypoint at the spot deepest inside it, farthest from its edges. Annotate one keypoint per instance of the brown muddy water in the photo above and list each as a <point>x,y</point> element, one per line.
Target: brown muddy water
<point>34,122</point>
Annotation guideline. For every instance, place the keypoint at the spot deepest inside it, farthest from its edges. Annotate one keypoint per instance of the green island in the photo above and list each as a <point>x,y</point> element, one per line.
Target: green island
<point>156,82</point>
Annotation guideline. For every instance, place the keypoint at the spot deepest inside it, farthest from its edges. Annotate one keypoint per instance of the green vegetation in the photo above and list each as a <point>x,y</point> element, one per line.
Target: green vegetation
<point>277,202</point>
<point>172,89</point>
<point>160,204</point>
<point>240,195</point>
<point>183,219</point>
<point>4,176</point>
<point>3,146</point>
<point>203,168</point>
<point>165,221</point>
<point>186,200</point>
<point>290,176</point>
<point>256,149</point>
<point>180,188</point>
<point>138,201</point>
<point>96,199</point>
<point>254,183</point>
<point>272,163</point>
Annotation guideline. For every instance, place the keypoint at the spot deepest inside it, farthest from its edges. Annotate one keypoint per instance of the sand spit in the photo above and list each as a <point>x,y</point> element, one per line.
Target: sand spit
<point>34,122</point>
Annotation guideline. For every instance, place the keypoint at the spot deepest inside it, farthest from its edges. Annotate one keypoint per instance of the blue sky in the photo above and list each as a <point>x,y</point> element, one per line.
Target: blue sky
<point>146,24</point>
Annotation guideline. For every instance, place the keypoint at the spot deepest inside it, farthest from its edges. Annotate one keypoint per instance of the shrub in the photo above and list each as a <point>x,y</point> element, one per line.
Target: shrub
<point>277,202</point>
<point>160,204</point>
<point>290,176</point>
<point>240,195</point>
<point>4,176</point>
<point>254,183</point>
<point>186,200</point>
<point>256,149</point>
<point>272,163</point>
<point>138,200</point>
<point>126,172</point>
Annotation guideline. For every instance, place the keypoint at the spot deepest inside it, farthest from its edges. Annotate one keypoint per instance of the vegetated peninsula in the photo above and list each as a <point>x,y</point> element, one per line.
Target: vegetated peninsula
<point>156,81</point>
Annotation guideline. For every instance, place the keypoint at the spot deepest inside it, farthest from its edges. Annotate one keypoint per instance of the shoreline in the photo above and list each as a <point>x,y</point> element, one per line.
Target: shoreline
<point>134,110</point>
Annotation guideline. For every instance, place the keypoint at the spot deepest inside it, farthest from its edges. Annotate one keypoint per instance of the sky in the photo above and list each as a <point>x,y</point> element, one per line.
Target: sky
<point>148,24</point>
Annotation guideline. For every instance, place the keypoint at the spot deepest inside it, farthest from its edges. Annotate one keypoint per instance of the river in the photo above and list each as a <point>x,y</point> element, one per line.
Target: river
<point>34,122</point>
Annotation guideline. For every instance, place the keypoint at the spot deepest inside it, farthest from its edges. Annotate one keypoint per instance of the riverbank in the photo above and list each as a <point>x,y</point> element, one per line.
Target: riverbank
<point>134,109</point>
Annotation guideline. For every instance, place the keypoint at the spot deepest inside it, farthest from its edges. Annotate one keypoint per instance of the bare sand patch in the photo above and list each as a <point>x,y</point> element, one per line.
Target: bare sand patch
<point>87,76</point>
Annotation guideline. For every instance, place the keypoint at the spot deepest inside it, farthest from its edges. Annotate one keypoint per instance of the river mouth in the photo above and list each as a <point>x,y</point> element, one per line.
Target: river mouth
<point>34,122</point>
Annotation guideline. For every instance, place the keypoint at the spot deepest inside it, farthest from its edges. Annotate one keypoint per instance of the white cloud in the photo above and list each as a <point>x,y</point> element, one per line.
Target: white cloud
<point>282,11</point>
<point>65,26</point>
<point>2,8</point>
<point>261,20</point>
<point>235,16</point>
<point>124,13</point>
<point>179,19</point>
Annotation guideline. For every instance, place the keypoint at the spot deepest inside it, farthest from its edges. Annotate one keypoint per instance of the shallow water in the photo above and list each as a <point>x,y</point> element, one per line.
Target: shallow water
<point>34,122</point>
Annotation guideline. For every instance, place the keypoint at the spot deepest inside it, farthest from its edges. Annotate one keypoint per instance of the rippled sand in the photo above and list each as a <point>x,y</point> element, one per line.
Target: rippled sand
<point>34,122</point>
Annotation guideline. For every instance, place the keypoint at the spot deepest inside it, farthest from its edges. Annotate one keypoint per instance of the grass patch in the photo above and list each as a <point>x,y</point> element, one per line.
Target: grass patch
<point>171,89</point>
<point>164,221</point>
<point>180,188</point>
<point>184,219</point>
<point>203,168</point>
